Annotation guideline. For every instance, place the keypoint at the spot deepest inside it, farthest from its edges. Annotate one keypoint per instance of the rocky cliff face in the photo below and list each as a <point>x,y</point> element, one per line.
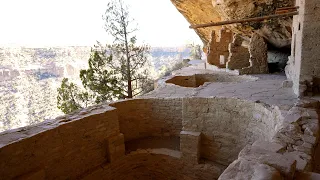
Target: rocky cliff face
<point>277,31</point>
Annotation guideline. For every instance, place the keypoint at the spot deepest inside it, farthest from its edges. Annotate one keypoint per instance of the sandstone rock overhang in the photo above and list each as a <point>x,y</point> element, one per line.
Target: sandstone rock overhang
<point>277,31</point>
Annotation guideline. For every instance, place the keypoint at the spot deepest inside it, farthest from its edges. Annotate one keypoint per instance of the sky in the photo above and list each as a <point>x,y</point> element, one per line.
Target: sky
<point>43,23</point>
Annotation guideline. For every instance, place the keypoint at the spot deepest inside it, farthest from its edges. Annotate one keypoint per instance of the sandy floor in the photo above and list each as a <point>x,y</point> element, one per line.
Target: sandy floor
<point>153,143</point>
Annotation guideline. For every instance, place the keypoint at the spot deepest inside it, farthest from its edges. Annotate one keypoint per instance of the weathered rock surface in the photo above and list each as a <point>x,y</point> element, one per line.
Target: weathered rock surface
<point>198,12</point>
<point>276,32</point>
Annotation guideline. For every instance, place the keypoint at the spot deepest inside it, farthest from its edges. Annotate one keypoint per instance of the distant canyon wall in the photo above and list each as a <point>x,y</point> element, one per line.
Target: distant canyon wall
<point>67,70</point>
<point>42,62</point>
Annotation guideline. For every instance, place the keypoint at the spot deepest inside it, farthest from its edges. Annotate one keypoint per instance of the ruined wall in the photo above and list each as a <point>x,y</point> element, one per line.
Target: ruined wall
<point>227,125</point>
<point>140,118</point>
<point>290,150</point>
<point>89,144</point>
<point>227,51</point>
<point>258,56</point>
<point>304,64</point>
<point>239,55</point>
<point>218,52</point>
<point>63,148</point>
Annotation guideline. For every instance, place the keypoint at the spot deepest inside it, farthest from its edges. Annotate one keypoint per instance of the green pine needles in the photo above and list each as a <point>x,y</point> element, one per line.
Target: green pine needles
<point>116,71</point>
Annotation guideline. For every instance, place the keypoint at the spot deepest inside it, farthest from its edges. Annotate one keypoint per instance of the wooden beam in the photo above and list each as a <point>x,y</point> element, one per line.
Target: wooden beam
<point>282,11</point>
<point>287,8</point>
<point>262,18</point>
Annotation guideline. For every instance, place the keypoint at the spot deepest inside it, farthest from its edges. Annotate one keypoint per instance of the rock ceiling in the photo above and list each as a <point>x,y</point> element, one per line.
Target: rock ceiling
<point>277,31</point>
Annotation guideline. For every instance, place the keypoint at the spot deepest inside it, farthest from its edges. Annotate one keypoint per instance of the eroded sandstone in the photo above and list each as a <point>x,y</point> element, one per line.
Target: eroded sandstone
<point>276,31</point>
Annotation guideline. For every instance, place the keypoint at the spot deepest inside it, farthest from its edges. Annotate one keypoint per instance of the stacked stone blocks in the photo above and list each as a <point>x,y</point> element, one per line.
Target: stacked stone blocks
<point>304,63</point>
<point>239,55</point>
<point>116,148</point>
<point>62,148</point>
<point>149,117</point>
<point>258,140</point>
<point>252,60</point>
<point>218,47</point>
<point>258,56</point>
<point>190,143</point>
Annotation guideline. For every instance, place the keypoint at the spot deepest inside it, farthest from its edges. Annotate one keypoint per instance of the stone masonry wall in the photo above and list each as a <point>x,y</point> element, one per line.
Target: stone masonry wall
<point>139,118</point>
<point>258,56</point>
<point>304,64</point>
<point>90,143</point>
<point>227,125</point>
<point>63,148</point>
<point>218,47</point>
<point>239,55</point>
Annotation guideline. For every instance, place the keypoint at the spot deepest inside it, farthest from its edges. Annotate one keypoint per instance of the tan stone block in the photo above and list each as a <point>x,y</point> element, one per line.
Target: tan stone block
<point>309,139</point>
<point>284,164</point>
<point>269,146</point>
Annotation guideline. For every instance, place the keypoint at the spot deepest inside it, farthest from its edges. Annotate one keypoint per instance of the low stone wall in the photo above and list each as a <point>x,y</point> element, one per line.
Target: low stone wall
<point>139,118</point>
<point>262,141</point>
<point>227,125</point>
<point>63,148</point>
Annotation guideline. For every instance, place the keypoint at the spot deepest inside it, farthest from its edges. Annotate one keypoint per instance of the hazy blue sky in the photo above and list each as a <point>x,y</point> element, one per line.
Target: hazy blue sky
<point>79,22</point>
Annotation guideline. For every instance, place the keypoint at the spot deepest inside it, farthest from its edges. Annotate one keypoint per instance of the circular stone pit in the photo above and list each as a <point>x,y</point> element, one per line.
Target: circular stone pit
<point>197,80</point>
<point>226,125</point>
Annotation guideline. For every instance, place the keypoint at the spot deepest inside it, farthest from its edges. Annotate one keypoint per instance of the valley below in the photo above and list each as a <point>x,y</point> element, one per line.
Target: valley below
<point>29,78</point>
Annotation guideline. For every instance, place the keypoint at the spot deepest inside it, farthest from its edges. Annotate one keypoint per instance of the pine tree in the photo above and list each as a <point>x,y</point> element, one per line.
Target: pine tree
<point>101,79</point>
<point>70,97</point>
<point>129,59</point>
<point>116,71</point>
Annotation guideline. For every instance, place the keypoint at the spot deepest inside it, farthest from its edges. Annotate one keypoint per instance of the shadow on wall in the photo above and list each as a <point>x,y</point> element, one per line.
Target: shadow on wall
<point>228,125</point>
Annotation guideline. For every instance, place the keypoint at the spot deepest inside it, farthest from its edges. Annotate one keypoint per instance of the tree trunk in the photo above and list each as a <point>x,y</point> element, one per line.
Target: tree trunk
<point>127,56</point>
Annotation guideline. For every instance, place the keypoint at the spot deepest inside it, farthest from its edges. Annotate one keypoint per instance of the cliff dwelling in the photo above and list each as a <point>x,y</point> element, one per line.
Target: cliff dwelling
<point>228,119</point>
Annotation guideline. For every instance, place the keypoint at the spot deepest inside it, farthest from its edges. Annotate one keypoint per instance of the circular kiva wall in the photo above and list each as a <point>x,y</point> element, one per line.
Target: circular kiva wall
<point>199,79</point>
<point>143,118</point>
<point>226,124</point>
